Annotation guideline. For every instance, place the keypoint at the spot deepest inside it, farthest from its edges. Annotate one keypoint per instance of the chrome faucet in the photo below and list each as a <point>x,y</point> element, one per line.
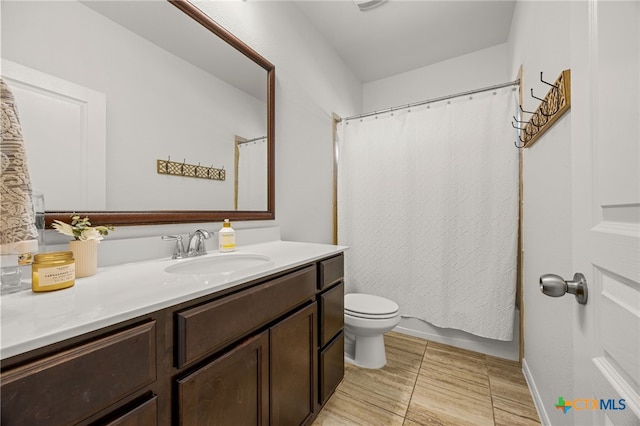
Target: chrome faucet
<point>195,247</point>
<point>196,243</point>
<point>178,250</point>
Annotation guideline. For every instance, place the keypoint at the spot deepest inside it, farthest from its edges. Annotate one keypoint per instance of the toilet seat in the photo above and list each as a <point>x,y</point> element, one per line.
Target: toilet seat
<point>369,306</point>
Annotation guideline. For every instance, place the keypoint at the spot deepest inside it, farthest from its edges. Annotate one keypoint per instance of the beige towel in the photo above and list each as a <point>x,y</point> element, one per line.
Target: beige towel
<point>18,233</point>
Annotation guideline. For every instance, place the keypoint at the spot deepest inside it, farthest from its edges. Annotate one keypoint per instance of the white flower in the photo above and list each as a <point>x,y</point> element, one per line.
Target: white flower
<point>63,228</point>
<point>90,234</point>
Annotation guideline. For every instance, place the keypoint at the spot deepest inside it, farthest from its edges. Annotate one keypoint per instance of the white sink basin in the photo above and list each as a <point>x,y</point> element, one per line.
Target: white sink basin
<point>223,264</point>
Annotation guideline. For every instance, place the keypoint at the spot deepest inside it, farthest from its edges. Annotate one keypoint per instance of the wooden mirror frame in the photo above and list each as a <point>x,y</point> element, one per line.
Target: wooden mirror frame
<point>123,218</point>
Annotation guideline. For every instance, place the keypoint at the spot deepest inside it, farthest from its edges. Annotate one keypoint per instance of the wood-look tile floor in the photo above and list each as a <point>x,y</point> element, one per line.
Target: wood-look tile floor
<point>428,383</point>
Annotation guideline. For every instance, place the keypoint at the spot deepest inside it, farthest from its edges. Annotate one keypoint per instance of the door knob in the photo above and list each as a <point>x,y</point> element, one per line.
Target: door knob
<point>555,286</point>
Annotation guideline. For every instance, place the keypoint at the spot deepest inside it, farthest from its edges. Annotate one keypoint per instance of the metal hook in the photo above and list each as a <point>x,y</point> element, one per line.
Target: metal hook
<point>534,114</point>
<point>535,120</point>
<point>552,85</point>
<point>528,112</point>
<point>535,97</point>
<point>520,138</point>
<point>532,121</point>
<point>524,129</point>
<point>541,109</point>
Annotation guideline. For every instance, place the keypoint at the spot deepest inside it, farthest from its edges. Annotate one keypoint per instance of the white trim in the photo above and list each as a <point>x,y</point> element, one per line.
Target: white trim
<point>537,399</point>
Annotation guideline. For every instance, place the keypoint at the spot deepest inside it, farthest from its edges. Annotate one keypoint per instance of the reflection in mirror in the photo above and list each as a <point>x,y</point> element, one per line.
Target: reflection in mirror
<point>106,89</point>
<point>251,166</point>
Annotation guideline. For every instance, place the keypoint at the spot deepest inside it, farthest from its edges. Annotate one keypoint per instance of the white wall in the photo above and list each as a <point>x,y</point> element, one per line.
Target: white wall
<point>540,40</point>
<point>483,68</point>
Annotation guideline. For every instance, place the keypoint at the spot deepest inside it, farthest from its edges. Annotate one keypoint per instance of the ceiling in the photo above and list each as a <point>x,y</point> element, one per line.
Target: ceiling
<point>403,35</point>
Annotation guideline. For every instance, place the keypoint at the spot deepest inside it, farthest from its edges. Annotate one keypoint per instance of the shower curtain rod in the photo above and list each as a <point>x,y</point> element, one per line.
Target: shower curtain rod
<point>252,140</point>
<point>429,101</point>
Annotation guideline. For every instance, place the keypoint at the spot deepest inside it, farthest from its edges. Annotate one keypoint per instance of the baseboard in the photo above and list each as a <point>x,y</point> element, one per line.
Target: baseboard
<point>537,400</point>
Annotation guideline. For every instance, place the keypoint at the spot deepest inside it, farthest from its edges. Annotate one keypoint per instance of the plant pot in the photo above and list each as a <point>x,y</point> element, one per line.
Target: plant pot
<point>85,254</point>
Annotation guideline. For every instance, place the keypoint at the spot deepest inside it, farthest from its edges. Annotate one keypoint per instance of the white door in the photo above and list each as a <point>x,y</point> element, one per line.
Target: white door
<point>72,118</point>
<point>606,212</point>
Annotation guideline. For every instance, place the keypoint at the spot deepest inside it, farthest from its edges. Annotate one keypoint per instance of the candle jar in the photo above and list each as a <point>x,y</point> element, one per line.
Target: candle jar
<point>53,271</point>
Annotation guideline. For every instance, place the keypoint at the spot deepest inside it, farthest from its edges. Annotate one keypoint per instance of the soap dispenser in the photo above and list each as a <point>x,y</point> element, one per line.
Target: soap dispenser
<point>226,237</point>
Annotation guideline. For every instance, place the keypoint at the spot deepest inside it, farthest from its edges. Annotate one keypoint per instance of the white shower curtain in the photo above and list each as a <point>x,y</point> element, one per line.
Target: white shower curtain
<point>428,204</point>
<point>252,175</point>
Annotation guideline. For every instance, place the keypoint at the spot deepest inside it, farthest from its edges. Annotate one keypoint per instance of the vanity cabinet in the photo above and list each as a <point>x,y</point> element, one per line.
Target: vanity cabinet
<point>269,351</point>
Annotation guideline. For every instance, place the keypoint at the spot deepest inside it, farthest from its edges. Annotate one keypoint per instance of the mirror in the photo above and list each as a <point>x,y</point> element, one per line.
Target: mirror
<point>173,122</point>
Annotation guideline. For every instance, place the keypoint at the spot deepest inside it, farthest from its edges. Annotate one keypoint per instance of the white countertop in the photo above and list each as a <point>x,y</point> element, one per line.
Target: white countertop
<point>119,293</point>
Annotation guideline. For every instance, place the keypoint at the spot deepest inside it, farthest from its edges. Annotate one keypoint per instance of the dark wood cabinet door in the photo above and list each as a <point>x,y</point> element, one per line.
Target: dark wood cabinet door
<point>331,313</point>
<point>331,367</point>
<point>231,390</point>
<point>293,347</point>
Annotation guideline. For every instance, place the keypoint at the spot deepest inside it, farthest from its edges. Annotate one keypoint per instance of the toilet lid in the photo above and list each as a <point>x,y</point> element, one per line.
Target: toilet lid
<point>369,306</point>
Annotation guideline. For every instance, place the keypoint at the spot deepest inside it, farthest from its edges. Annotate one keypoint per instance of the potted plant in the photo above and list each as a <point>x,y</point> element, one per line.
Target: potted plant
<point>84,243</point>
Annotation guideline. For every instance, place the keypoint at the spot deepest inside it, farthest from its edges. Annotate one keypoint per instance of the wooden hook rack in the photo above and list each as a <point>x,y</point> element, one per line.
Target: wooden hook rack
<point>168,167</point>
<point>551,108</point>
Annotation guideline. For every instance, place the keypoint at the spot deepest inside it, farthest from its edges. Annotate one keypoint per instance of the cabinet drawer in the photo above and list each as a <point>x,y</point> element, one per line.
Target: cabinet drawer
<point>331,270</point>
<point>331,313</point>
<point>205,329</point>
<point>74,384</point>
<point>331,367</point>
<point>143,414</point>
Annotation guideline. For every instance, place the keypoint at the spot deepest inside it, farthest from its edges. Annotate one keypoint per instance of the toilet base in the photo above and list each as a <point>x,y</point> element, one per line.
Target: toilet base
<point>366,352</point>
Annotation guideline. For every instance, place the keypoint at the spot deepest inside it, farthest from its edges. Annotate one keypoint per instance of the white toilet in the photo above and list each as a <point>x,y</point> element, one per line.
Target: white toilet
<point>366,319</point>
